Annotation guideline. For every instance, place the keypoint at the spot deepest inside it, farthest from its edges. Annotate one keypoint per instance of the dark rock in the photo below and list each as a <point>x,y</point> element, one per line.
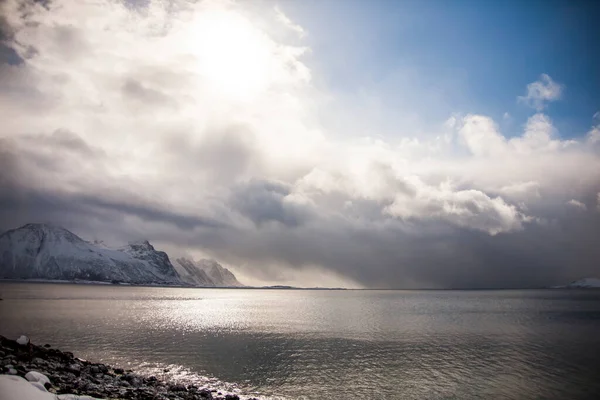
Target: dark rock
<point>118,370</point>
<point>205,394</point>
<point>178,388</point>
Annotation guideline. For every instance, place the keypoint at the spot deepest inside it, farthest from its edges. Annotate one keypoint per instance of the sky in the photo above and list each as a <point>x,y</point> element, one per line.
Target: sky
<point>380,144</point>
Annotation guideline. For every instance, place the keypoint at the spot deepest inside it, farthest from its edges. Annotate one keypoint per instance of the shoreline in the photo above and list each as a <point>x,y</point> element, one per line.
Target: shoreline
<point>69,375</point>
<point>157,285</point>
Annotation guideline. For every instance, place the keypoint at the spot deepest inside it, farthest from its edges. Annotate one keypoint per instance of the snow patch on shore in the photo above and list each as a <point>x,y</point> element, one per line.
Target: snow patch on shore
<point>23,340</point>
<point>17,388</point>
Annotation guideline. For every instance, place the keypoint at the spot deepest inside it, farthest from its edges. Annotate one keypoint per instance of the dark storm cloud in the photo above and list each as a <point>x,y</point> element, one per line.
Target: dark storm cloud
<point>376,253</point>
<point>389,256</point>
<point>21,204</point>
<point>264,201</point>
<point>22,201</point>
<point>360,243</point>
<point>7,54</point>
<point>219,159</point>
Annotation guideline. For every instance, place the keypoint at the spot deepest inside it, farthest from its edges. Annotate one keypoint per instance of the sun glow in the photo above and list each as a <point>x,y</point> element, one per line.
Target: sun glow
<point>233,55</point>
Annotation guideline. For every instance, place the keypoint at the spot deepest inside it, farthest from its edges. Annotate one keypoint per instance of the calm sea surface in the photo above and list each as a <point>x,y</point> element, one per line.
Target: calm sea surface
<point>512,344</point>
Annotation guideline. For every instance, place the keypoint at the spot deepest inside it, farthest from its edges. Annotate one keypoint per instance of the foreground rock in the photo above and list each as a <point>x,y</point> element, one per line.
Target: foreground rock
<point>61,372</point>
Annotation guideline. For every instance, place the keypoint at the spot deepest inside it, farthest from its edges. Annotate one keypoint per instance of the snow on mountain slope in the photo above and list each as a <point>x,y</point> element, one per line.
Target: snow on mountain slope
<point>585,283</point>
<point>206,273</point>
<point>159,260</point>
<point>191,273</point>
<point>220,275</point>
<point>50,252</point>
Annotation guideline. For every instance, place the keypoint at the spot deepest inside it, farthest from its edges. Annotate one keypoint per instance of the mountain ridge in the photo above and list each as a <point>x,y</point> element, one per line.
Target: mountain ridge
<point>205,272</point>
<point>51,252</point>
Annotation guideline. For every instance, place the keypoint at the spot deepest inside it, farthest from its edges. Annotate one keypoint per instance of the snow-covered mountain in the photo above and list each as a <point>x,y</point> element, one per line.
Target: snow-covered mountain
<point>191,273</point>
<point>205,273</point>
<point>586,283</point>
<point>42,251</point>
<point>218,273</point>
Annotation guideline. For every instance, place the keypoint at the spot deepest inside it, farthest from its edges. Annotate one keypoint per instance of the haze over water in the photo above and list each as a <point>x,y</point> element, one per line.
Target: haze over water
<point>534,344</point>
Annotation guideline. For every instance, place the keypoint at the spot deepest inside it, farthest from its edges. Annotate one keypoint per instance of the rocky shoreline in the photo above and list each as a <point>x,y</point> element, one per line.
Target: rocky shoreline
<point>67,374</point>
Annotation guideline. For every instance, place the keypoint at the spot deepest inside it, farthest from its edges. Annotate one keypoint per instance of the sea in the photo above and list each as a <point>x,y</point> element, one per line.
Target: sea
<point>326,344</point>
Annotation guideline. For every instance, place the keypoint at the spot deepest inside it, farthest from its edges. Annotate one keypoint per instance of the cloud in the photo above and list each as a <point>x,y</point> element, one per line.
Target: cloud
<point>576,204</point>
<point>288,23</point>
<point>593,136</point>
<point>200,127</point>
<point>541,92</point>
<point>465,208</point>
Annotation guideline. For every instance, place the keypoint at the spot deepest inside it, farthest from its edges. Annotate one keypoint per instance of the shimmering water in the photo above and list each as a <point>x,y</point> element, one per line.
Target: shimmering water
<point>536,344</point>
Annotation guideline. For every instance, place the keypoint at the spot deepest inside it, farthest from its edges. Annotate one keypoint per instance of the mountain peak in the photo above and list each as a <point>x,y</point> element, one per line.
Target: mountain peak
<point>141,245</point>
<point>48,227</point>
<point>43,232</point>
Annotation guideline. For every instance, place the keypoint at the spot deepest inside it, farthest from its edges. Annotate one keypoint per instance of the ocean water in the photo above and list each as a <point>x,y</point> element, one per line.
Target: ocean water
<point>304,344</point>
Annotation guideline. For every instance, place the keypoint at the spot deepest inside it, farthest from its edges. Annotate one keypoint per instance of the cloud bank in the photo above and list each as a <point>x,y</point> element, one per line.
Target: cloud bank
<point>198,126</point>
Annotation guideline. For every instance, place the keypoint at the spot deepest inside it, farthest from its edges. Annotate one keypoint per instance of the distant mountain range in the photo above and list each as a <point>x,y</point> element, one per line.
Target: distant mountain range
<point>585,283</point>
<point>42,251</point>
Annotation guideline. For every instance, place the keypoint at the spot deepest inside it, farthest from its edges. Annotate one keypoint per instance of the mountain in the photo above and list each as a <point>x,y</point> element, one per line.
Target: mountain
<point>50,252</point>
<point>192,274</point>
<point>42,251</point>
<point>218,273</point>
<point>585,283</point>
<point>206,273</point>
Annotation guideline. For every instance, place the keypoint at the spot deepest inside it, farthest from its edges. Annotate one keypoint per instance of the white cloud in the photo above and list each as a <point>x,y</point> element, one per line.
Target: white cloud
<point>576,204</point>
<point>538,136</point>
<point>288,23</point>
<point>466,208</point>
<point>482,137</point>
<point>542,91</point>
<point>593,136</point>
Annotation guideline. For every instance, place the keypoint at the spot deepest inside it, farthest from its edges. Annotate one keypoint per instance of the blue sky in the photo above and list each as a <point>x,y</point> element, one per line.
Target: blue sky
<point>459,56</point>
